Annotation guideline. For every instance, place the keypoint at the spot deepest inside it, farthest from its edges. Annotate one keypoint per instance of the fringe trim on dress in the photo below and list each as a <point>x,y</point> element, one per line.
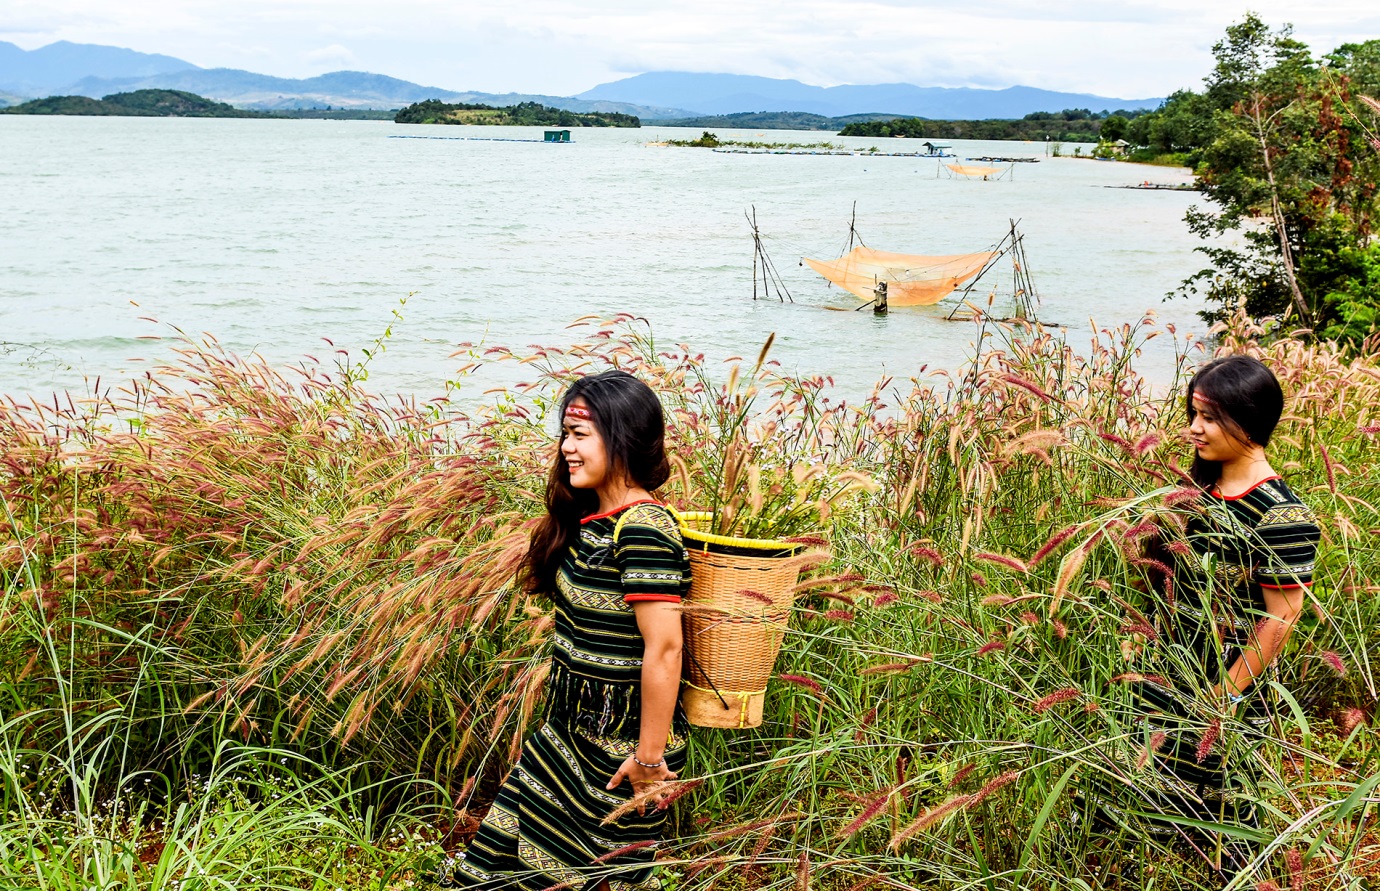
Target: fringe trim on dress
<point>594,707</point>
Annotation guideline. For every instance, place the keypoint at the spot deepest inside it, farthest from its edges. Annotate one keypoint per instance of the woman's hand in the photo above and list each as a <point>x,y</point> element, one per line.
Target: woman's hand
<point>643,779</point>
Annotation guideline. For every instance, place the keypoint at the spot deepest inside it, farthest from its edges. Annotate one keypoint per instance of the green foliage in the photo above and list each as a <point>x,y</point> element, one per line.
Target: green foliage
<point>1285,149</point>
<point>527,114</point>
<point>1070,125</point>
<point>705,140</point>
<point>140,103</point>
<point>1354,301</point>
<point>1114,128</point>
<point>711,140</point>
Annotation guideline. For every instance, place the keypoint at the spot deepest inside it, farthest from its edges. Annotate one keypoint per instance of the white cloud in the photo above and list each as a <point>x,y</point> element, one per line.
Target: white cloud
<point>1130,49</point>
<point>331,56</point>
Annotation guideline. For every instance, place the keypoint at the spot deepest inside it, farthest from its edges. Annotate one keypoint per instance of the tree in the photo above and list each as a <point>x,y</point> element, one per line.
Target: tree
<point>1114,128</point>
<point>1286,163</point>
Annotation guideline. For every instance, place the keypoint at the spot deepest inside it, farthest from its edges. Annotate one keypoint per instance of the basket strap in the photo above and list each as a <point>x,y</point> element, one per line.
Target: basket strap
<point>691,653</point>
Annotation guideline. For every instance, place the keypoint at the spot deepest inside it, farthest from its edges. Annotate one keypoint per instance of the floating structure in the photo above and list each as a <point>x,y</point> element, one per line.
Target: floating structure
<point>1161,187</point>
<point>996,159</point>
<point>490,138</point>
<point>841,152</point>
<point>936,150</point>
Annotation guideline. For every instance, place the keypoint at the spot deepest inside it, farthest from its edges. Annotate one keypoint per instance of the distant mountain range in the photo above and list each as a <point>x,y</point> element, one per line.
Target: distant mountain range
<point>65,68</point>
<point>716,94</point>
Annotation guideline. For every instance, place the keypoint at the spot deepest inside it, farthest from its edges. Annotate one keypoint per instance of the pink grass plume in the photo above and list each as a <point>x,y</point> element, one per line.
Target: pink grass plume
<point>626,849</point>
<point>1181,496</point>
<point>1350,719</point>
<point>1142,628</point>
<point>1113,438</point>
<point>991,647</point>
<point>1024,384</point>
<point>1156,741</point>
<point>1147,443</point>
<point>874,807</point>
<point>961,775</point>
<point>992,786</point>
<point>929,818</point>
<point>1335,662</point>
<point>1294,860</point>
<point>885,598</point>
<point>1002,560</point>
<point>924,552</point>
<point>1209,740</point>
<point>681,789</point>
<point>1048,547</point>
<point>801,681</point>
<point>1064,694</point>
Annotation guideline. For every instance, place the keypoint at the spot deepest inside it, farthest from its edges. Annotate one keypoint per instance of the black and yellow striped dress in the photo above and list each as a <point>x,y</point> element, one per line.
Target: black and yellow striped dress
<point>1237,547</point>
<point>544,829</point>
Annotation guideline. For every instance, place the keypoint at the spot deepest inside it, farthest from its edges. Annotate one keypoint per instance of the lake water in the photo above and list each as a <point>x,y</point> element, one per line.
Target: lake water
<point>274,234</point>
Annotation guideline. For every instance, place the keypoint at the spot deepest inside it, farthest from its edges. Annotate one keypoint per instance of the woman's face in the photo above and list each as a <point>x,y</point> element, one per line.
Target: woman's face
<point>583,448</point>
<point>1210,437</point>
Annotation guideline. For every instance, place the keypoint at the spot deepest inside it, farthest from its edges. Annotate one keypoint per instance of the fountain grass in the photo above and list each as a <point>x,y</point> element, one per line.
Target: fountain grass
<point>224,565</point>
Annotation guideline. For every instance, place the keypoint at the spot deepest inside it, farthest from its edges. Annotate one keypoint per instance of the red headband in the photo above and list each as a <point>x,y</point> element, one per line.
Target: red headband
<point>578,411</point>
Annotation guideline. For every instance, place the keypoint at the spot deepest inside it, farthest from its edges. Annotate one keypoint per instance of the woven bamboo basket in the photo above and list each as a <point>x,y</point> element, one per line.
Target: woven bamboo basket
<point>735,618</point>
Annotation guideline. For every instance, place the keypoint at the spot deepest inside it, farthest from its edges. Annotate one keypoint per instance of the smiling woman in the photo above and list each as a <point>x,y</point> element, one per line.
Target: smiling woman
<point>1232,591</point>
<point>582,807</point>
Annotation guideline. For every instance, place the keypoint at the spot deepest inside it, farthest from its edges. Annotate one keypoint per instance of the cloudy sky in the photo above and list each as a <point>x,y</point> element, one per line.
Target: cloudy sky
<point>1121,48</point>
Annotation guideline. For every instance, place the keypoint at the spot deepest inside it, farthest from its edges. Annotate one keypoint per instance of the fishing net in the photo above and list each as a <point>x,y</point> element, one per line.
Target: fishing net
<point>911,279</point>
<point>972,170</point>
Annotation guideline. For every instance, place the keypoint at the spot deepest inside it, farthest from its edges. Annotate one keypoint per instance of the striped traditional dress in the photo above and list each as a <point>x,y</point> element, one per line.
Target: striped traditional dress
<point>1240,546</point>
<point>545,827</point>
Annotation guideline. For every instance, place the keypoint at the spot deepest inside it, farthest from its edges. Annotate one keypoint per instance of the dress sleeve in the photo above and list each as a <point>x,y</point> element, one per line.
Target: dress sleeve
<point>1287,546</point>
<point>652,556</point>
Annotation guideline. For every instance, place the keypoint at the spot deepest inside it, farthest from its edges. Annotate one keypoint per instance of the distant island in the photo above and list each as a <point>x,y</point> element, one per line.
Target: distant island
<point>775,120</point>
<point>528,114</point>
<point>1069,125</point>
<point>140,103</point>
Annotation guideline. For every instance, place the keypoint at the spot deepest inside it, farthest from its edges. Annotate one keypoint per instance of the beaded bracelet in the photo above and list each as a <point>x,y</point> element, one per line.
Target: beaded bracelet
<point>640,763</point>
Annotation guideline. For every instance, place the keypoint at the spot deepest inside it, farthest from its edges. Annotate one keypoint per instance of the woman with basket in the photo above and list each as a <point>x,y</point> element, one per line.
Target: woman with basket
<point>611,559</point>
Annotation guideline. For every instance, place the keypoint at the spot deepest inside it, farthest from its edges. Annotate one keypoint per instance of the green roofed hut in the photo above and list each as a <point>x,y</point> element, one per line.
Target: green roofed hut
<point>557,135</point>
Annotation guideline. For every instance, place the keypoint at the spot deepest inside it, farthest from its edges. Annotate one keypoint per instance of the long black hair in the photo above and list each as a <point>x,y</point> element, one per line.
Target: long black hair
<point>630,421</point>
<point>1247,400</point>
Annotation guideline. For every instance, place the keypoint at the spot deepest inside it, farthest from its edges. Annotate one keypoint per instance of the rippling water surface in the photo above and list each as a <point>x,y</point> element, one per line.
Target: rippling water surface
<point>271,235</point>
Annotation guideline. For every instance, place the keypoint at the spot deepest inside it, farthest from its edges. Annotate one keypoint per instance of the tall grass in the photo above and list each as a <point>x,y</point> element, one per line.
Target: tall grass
<point>225,552</point>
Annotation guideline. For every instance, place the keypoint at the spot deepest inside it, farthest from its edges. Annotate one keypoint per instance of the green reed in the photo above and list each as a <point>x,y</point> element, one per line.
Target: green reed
<point>228,553</point>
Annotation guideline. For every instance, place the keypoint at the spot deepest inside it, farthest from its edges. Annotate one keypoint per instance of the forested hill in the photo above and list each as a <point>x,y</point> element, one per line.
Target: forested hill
<point>773,120</point>
<point>530,114</point>
<point>140,103</point>
<point>1070,125</point>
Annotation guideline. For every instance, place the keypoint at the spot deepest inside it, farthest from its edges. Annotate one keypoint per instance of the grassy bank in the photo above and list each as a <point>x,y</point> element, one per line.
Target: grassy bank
<point>257,626</point>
